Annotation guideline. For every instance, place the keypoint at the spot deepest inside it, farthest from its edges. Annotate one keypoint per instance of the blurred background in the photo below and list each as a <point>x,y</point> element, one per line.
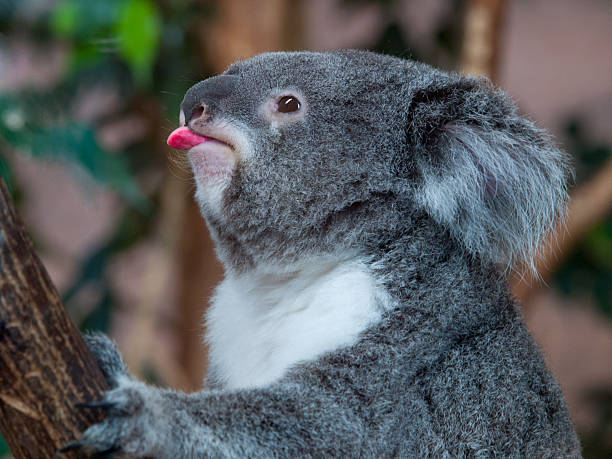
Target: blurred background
<point>89,91</point>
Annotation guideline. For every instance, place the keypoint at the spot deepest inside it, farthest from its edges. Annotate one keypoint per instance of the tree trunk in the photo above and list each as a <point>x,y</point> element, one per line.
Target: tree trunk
<point>45,366</point>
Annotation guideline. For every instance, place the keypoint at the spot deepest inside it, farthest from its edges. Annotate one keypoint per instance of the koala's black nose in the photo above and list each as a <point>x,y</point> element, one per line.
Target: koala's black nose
<point>207,93</point>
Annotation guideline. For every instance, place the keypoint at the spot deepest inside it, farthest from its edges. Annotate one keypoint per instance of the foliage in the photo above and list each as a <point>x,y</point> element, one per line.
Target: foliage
<point>140,50</point>
<point>69,141</point>
<point>132,28</point>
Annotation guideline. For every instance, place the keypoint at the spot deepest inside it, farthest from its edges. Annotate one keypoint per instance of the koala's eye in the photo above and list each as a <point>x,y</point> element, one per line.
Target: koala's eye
<point>288,104</point>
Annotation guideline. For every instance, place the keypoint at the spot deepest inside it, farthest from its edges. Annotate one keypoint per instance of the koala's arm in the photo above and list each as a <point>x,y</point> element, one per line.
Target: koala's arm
<point>304,414</point>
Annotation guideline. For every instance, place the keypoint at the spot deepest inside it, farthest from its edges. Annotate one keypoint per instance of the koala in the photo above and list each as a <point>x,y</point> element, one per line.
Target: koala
<point>367,210</point>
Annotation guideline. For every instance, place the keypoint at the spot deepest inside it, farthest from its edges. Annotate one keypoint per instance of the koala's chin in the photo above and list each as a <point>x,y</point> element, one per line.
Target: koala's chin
<point>213,166</point>
<point>213,150</point>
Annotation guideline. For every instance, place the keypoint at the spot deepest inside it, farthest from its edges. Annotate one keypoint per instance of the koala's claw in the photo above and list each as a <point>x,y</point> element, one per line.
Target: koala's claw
<point>71,446</point>
<point>130,412</point>
<point>105,405</point>
<point>110,452</point>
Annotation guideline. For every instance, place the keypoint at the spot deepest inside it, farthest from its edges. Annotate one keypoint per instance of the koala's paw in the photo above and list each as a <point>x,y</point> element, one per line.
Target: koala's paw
<point>131,426</point>
<point>107,356</point>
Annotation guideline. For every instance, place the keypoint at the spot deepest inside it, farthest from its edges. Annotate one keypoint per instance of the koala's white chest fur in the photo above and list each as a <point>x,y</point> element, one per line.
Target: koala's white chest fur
<point>260,324</point>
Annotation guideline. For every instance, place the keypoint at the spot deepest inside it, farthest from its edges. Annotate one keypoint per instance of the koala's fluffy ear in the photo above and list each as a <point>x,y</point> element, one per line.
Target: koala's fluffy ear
<point>491,177</point>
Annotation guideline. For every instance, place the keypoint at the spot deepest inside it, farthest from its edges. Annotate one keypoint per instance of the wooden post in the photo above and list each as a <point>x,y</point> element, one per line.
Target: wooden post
<point>45,366</point>
<point>483,20</point>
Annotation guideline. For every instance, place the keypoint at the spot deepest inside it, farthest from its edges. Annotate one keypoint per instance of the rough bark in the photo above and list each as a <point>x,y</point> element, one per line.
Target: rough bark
<point>45,366</point>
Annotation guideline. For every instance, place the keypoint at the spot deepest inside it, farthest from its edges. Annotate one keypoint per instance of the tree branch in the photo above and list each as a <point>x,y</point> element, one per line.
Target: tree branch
<point>589,204</point>
<point>45,366</point>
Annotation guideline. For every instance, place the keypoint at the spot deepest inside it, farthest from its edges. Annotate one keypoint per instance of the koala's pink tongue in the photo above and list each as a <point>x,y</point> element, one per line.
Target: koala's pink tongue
<point>183,138</point>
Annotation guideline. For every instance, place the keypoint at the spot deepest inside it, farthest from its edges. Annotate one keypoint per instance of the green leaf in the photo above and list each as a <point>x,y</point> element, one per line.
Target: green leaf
<point>77,143</point>
<point>68,141</point>
<point>139,30</point>
<point>84,20</point>
<point>64,19</point>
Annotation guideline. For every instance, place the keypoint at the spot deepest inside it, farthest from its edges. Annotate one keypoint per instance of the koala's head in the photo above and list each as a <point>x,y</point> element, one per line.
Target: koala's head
<point>299,154</point>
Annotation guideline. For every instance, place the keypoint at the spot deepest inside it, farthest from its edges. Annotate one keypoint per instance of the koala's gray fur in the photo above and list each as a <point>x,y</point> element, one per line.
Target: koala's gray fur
<point>438,183</point>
